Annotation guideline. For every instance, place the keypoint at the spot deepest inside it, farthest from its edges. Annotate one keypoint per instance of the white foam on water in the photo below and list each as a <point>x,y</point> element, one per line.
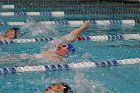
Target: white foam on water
<point>38,29</point>
<point>84,85</point>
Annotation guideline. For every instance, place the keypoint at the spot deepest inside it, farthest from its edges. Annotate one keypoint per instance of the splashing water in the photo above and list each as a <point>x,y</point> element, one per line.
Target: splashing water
<point>84,85</point>
<point>37,29</point>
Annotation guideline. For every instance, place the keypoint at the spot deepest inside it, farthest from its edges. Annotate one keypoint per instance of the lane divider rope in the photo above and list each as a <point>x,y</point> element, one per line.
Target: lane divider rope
<point>81,5</point>
<point>76,23</point>
<point>50,1</point>
<point>58,67</point>
<point>65,13</point>
<point>99,38</point>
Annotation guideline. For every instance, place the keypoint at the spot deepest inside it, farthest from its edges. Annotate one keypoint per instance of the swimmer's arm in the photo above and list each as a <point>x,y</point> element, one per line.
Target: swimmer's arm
<point>2,37</point>
<point>8,58</point>
<point>78,31</point>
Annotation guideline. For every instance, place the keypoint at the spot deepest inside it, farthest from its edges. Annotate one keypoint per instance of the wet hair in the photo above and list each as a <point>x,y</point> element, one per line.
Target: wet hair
<point>17,31</point>
<point>67,89</point>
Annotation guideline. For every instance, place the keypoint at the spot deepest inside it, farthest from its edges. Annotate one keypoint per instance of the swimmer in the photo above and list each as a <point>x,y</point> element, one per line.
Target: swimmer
<point>10,34</point>
<point>59,49</point>
<point>58,88</point>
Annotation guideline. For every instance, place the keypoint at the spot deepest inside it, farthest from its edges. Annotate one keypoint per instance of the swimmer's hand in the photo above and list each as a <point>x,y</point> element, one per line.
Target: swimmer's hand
<point>75,33</point>
<point>86,24</point>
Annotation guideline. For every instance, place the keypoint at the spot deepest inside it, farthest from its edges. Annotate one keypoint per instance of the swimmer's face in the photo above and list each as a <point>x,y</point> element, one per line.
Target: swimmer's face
<point>62,50</point>
<point>55,88</point>
<point>10,34</point>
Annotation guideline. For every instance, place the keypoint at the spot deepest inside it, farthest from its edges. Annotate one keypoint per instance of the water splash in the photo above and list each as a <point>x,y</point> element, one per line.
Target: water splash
<point>80,55</point>
<point>37,29</point>
<point>84,85</point>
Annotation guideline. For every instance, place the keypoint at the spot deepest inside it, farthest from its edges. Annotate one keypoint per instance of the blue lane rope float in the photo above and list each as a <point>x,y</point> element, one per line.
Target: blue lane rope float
<point>81,5</point>
<point>76,23</point>
<point>25,40</point>
<point>58,67</point>
<point>99,38</point>
<point>64,13</point>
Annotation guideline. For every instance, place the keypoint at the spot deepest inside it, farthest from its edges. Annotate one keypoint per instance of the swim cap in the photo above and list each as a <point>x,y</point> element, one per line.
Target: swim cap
<point>71,48</point>
<point>17,31</point>
<point>67,89</point>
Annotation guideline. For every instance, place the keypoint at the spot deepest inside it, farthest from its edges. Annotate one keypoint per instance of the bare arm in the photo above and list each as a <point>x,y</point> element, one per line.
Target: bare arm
<point>78,31</point>
<point>9,58</point>
<point>2,36</point>
<point>69,38</point>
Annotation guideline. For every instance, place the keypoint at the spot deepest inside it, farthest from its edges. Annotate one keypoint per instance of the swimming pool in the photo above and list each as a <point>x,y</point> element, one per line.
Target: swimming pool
<point>114,42</point>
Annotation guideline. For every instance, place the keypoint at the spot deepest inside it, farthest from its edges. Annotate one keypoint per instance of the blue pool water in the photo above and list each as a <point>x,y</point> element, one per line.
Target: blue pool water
<point>114,79</point>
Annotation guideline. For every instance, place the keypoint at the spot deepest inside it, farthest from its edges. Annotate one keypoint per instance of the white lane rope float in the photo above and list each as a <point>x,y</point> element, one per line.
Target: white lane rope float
<point>58,67</point>
<point>76,23</point>
<point>99,38</point>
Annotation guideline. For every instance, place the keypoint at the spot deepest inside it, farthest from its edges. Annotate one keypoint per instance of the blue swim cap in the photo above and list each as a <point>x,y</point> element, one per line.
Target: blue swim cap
<point>71,48</point>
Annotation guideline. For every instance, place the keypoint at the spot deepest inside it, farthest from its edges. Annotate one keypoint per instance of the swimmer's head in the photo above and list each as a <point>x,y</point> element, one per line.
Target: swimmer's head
<point>13,33</point>
<point>59,88</point>
<point>65,49</point>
